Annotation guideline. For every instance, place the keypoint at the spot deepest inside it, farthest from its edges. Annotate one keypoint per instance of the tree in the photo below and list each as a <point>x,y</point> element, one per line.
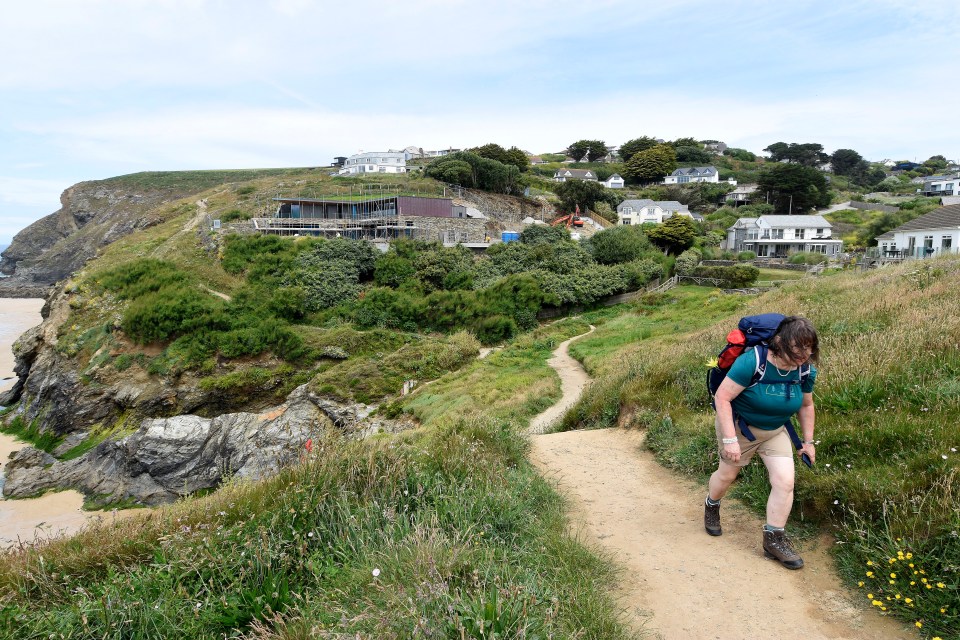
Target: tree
<point>697,154</point>
<point>792,187</point>
<point>619,244</point>
<point>674,235</point>
<point>631,147</point>
<point>808,154</point>
<point>585,193</point>
<point>592,149</point>
<point>651,165</point>
<point>544,234</point>
<point>486,174</point>
<point>844,161</point>
<point>513,155</point>
<point>685,142</point>
<point>936,163</point>
<point>740,154</point>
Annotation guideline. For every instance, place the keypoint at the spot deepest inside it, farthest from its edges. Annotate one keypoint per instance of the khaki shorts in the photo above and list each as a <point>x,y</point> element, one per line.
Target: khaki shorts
<point>775,443</point>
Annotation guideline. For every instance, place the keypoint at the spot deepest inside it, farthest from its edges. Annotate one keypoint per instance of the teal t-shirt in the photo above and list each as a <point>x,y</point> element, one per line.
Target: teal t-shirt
<point>765,406</point>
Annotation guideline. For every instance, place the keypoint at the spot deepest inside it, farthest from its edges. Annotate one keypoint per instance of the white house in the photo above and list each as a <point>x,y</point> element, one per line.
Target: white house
<point>414,152</point>
<point>779,236</point>
<point>562,175</point>
<point>931,234</point>
<point>693,174</point>
<point>941,185</point>
<point>641,211</point>
<point>375,162</point>
<point>613,182</point>
<point>741,195</point>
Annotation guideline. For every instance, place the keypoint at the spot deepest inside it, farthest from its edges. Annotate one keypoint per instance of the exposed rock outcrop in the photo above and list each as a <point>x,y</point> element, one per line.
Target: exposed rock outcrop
<point>91,216</point>
<point>167,458</point>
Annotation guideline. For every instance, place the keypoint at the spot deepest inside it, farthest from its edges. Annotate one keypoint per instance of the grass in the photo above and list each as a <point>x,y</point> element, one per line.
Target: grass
<point>779,274</point>
<point>445,531</point>
<point>887,402</point>
<point>30,432</point>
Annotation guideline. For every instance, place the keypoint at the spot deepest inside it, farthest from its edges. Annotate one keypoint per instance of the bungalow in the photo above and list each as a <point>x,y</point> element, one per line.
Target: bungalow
<point>693,174</point>
<point>779,236</point>
<point>715,147</point>
<point>562,175</point>
<point>641,211</point>
<point>536,160</point>
<point>741,195</point>
<point>613,182</point>
<point>931,234</point>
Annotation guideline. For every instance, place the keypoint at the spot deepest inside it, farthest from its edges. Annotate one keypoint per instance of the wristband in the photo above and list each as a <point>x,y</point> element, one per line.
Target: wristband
<point>809,442</point>
<point>732,440</point>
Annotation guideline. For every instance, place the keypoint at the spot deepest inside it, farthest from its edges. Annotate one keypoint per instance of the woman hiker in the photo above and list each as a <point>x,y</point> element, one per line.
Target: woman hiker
<point>764,408</point>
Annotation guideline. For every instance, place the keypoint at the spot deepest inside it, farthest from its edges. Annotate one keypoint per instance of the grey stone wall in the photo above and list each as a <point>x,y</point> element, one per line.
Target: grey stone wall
<point>871,206</point>
<point>435,229</point>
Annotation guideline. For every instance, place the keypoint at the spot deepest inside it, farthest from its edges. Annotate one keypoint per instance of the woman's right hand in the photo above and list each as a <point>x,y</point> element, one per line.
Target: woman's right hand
<point>732,452</point>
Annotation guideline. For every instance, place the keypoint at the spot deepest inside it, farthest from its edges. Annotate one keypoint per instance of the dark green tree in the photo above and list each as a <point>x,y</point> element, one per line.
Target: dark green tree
<point>585,193</point>
<point>592,149</point>
<point>696,154</point>
<point>845,161</point>
<point>513,155</point>
<point>685,142</point>
<point>808,154</point>
<point>936,163</point>
<point>631,147</point>
<point>675,235</point>
<point>740,154</point>
<point>651,165</point>
<point>623,243</point>
<point>793,188</point>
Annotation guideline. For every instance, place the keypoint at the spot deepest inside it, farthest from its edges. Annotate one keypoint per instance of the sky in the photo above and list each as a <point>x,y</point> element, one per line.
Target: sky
<point>91,89</point>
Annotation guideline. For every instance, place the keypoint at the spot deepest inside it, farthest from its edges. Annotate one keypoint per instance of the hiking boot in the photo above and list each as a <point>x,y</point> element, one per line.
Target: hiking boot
<point>776,546</point>
<point>711,518</point>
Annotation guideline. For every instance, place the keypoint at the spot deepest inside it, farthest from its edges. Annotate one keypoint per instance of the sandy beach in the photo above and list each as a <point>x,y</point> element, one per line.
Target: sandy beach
<point>16,316</point>
<point>53,514</point>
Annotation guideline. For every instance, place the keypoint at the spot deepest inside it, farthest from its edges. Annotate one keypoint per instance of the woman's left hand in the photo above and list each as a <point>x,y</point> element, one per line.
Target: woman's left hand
<point>809,449</point>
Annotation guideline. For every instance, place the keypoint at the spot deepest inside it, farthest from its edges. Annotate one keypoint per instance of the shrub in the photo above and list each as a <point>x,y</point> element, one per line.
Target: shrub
<point>735,277</point>
<point>745,256</point>
<point>687,262</point>
<point>618,244</point>
<point>161,316</point>
<point>138,278</point>
<point>496,329</point>
<point>802,257</point>
<point>326,284</point>
<point>392,270</point>
<point>543,234</point>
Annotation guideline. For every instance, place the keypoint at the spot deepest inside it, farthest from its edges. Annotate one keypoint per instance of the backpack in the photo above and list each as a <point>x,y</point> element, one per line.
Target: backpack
<point>753,331</point>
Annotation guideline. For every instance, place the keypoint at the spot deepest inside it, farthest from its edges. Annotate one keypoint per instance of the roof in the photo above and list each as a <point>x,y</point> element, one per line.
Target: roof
<point>636,204</point>
<point>671,205</point>
<point>745,189</point>
<point>942,218</point>
<point>742,223</point>
<point>575,173</point>
<point>952,176</point>
<point>695,171</point>
<point>615,176</point>
<point>797,222</point>
<point>948,200</point>
<point>666,205</point>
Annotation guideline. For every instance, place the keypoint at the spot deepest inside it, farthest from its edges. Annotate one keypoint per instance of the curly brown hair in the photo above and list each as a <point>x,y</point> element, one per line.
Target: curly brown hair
<point>793,337</point>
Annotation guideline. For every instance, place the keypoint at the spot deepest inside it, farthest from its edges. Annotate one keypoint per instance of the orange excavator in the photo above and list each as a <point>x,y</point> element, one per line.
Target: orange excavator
<point>573,219</point>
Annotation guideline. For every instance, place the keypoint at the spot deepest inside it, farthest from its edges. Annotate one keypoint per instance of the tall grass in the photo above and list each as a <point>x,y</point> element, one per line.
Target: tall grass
<point>442,532</point>
<point>888,402</point>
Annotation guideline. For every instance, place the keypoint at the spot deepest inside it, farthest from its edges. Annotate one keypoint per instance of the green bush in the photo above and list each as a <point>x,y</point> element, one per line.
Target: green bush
<point>170,312</point>
<point>496,329</point>
<point>735,277</point>
<point>141,277</point>
<point>543,234</point>
<point>619,244</point>
<point>745,256</point>
<point>687,262</point>
<point>802,257</point>
<point>392,270</point>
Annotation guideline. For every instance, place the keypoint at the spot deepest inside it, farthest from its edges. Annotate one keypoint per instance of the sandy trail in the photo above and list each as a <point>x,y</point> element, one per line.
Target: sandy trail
<point>678,582</point>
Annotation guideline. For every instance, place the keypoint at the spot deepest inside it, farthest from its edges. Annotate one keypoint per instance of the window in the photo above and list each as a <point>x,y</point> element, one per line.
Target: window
<point>776,234</point>
<point>946,242</point>
<point>683,179</point>
<point>627,210</point>
<point>798,234</point>
<point>626,221</point>
<point>383,169</point>
<point>819,232</point>
<point>818,248</point>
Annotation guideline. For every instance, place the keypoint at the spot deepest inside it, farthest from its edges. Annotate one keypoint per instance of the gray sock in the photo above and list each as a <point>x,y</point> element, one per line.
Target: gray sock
<point>712,502</point>
<point>771,528</point>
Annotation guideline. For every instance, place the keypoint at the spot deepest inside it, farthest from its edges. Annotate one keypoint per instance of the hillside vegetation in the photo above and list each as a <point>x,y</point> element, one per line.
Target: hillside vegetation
<point>887,398</point>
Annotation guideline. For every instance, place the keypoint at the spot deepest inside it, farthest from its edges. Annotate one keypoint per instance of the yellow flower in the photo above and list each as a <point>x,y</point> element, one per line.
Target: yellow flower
<point>940,585</point>
<point>893,575</point>
<point>919,624</point>
<point>869,563</point>
<point>909,555</point>
<point>923,580</point>
<point>860,584</point>
<point>870,595</point>
<point>892,581</point>
<point>910,565</point>
<point>898,596</point>
<point>892,560</point>
<point>928,586</point>
<point>937,638</point>
<point>913,582</point>
<point>943,610</point>
<point>869,574</point>
<point>877,603</point>
<point>712,363</point>
<point>908,600</point>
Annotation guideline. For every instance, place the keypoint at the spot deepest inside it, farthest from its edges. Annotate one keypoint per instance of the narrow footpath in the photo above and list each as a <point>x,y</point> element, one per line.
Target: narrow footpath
<point>678,582</point>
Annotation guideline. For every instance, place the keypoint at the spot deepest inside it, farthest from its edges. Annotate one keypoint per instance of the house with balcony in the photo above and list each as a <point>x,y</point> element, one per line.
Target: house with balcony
<point>375,162</point>
<point>642,211</point>
<point>685,175</point>
<point>779,236</point>
<point>562,175</point>
<point>932,234</point>
<point>934,186</point>
<point>741,195</point>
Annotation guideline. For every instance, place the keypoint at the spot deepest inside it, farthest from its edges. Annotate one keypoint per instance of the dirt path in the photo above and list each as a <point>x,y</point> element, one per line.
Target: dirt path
<point>678,582</point>
<point>573,379</point>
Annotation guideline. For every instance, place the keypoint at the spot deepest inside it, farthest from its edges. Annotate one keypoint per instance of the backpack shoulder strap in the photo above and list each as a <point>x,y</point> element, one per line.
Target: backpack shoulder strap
<point>760,354</point>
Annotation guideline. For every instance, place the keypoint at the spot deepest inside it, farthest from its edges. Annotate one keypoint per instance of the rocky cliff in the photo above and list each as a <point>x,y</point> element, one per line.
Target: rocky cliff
<point>91,216</point>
